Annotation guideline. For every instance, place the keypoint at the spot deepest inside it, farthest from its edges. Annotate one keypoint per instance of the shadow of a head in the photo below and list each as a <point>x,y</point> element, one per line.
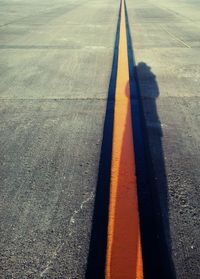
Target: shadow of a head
<point>148,81</point>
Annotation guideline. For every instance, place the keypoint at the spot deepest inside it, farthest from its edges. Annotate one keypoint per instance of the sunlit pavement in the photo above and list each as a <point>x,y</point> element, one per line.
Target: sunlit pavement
<point>55,66</point>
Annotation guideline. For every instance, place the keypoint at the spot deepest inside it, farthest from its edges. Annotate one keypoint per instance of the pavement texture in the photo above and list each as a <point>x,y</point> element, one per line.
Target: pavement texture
<point>56,59</point>
<point>55,67</point>
<point>166,40</point>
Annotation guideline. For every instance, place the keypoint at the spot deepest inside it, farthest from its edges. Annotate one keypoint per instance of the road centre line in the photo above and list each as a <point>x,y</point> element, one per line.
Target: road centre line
<point>124,253</point>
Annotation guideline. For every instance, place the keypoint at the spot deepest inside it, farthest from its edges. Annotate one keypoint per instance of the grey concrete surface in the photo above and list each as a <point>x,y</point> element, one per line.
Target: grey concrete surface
<point>166,39</point>
<point>55,65</point>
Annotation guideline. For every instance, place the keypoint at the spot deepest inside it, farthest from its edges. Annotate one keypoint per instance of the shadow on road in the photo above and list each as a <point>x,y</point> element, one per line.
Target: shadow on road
<point>150,171</point>
<point>151,174</point>
<point>98,242</point>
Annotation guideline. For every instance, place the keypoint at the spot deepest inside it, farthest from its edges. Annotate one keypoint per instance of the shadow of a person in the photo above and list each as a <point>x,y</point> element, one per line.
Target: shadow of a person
<point>150,170</point>
<point>153,195</point>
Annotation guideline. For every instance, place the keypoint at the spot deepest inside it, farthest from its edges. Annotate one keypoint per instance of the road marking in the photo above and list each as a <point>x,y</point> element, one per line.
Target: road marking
<point>124,253</point>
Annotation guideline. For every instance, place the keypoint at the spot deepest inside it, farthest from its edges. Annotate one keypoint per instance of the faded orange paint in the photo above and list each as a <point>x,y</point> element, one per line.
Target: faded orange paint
<point>124,254</point>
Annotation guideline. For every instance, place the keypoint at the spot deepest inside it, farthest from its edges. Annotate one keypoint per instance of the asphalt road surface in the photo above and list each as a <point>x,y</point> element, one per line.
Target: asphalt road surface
<point>55,67</point>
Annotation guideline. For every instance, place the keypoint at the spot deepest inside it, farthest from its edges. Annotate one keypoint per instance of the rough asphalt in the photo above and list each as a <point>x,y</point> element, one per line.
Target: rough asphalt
<point>55,67</point>
<point>166,41</point>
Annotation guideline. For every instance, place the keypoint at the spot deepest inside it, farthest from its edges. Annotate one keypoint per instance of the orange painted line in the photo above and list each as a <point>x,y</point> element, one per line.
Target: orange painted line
<point>124,253</point>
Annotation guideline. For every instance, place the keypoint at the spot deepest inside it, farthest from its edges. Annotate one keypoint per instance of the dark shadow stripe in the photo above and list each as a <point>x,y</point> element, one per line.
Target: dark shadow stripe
<point>156,258</point>
<point>98,241</point>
